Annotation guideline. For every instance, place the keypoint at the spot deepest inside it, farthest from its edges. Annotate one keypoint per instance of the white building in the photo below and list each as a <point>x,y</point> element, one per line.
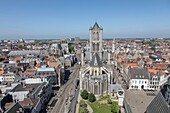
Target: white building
<point>139,78</point>
<point>9,77</point>
<point>35,80</point>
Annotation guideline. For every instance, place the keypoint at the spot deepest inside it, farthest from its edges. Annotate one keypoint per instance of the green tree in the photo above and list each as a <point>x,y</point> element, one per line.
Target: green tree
<point>84,110</point>
<point>83,104</point>
<point>149,43</point>
<point>71,48</point>
<point>115,108</point>
<point>84,94</point>
<point>92,97</point>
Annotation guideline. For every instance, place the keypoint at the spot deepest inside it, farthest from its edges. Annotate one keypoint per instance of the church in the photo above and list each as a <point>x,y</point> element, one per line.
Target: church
<point>95,73</point>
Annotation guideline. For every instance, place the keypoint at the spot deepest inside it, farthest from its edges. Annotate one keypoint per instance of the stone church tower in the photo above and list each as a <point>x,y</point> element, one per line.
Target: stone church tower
<point>96,37</point>
<point>95,75</point>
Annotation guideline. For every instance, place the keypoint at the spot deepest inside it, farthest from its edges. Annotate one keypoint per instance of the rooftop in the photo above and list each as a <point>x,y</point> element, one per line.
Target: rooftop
<point>96,61</point>
<point>27,52</point>
<point>158,105</point>
<point>44,68</point>
<point>26,87</point>
<point>139,100</point>
<point>139,73</point>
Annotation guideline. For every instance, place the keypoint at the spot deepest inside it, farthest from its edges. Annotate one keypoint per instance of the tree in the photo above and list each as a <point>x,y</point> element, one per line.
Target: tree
<point>84,94</point>
<point>83,104</point>
<point>71,48</point>
<point>115,108</point>
<point>149,43</point>
<point>84,110</point>
<point>92,97</point>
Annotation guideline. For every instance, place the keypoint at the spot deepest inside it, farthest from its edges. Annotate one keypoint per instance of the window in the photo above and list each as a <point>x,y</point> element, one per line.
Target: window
<point>132,81</point>
<point>139,82</point>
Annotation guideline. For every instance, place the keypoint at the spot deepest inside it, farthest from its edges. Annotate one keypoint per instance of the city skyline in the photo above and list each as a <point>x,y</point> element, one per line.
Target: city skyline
<point>66,19</point>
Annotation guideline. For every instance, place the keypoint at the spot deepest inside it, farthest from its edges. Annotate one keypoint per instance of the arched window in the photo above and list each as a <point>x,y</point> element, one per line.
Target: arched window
<point>93,47</point>
<point>97,46</point>
<point>96,36</point>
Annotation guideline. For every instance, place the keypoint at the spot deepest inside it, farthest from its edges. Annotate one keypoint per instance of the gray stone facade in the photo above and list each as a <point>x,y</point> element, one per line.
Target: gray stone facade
<point>95,76</point>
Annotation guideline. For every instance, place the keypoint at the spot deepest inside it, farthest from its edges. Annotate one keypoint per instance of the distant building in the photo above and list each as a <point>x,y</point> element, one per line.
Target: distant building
<point>28,52</point>
<point>156,58</point>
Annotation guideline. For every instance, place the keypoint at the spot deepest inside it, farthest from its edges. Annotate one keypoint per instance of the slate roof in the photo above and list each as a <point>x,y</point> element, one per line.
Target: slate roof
<point>96,26</point>
<point>27,87</point>
<point>158,105</point>
<point>16,107</point>
<point>96,62</point>
<point>139,73</point>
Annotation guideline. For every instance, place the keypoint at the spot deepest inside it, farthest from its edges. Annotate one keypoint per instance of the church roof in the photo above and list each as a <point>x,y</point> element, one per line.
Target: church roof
<point>96,62</point>
<point>96,26</point>
<point>158,105</point>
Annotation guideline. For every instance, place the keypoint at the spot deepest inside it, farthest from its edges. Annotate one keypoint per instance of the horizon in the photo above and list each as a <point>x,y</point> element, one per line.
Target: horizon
<point>66,19</point>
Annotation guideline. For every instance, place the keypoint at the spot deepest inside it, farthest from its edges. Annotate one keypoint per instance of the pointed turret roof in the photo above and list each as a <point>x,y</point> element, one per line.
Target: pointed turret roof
<point>96,26</point>
<point>96,61</point>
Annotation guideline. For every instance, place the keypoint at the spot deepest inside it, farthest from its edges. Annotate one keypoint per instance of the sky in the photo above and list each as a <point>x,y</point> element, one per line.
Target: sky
<point>46,19</point>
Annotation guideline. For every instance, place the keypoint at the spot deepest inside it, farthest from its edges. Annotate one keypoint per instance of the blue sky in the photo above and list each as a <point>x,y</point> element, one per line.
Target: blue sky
<point>70,18</point>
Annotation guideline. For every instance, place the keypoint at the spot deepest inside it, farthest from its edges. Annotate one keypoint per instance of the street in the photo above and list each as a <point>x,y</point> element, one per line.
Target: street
<point>63,103</point>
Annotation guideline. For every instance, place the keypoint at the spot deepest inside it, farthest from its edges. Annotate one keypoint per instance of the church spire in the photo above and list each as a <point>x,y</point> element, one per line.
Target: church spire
<point>96,26</point>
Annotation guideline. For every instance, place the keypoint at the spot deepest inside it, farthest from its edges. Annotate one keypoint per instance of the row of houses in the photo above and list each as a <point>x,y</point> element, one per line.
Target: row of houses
<point>27,79</point>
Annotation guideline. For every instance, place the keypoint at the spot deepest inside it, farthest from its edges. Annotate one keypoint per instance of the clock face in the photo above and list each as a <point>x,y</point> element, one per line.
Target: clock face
<point>96,36</point>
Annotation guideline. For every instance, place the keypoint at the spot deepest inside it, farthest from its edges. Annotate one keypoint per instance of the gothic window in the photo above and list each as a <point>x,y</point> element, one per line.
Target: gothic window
<point>96,72</point>
<point>93,47</point>
<point>96,36</point>
<point>105,85</point>
<point>95,89</point>
<point>97,46</point>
